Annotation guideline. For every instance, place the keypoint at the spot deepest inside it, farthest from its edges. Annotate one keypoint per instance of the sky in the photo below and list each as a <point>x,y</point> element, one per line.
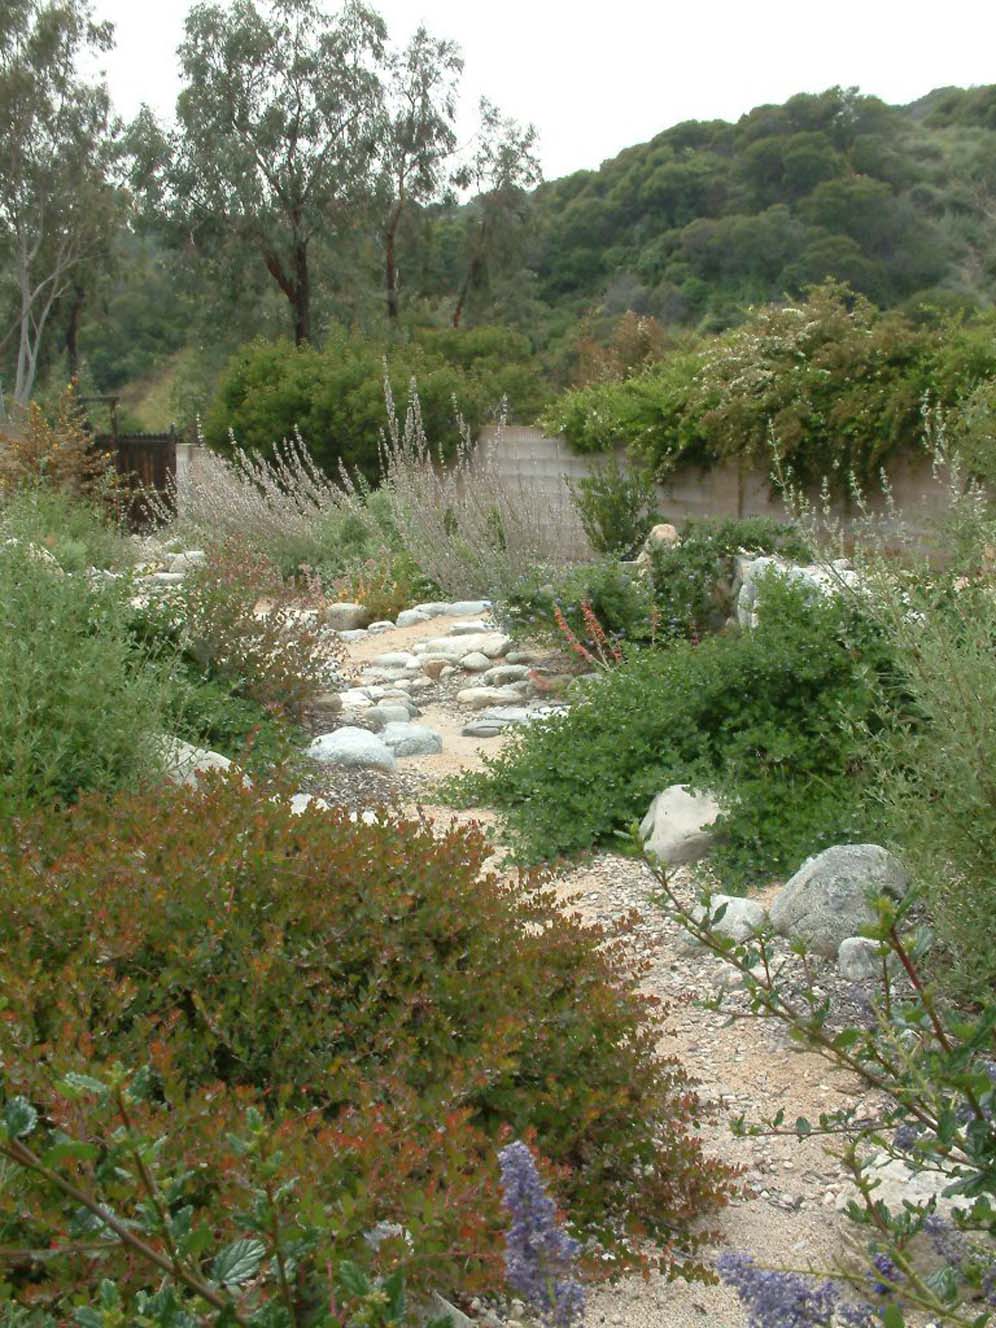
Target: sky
<point>596,78</point>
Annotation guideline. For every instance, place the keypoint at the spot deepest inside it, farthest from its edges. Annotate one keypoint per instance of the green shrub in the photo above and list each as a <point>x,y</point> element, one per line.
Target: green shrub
<point>620,601</point>
<point>692,582</point>
<point>77,532</point>
<point>376,988</point>
<point>335,396</point>
<point>385,584</point>
<point>764,718</point>
<point>616,507</point>
<point>80,704</point>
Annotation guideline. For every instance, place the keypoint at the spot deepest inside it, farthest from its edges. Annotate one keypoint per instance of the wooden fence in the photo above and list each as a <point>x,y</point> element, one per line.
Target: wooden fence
<point>147,463</point>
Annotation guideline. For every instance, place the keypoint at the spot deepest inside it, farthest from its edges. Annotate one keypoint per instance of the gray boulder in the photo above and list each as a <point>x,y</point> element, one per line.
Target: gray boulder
<point>826,901</point>
<point>453,648</point>
<point>384,625</point>
<point>742,918</point>
<point>479,697</point>
<point>475,662</point>
<point>351,747</point>
<point>858,959</point>
<point>346,616</point>
<point>391,712</point>
<point>502,674</point>
<point>467,608</point>
<point>406,739</point>
<point>677,828</point>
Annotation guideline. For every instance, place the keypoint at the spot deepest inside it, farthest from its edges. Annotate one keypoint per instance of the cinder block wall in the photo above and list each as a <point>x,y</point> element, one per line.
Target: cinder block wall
<point>527,454</point>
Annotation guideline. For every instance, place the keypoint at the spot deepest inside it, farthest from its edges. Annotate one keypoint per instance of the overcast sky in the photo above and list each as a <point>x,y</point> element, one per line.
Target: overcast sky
<point>595,78</point>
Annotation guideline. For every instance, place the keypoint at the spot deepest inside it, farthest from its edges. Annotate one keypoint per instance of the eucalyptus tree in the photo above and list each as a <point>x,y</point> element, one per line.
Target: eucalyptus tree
<point>417,137</point>
<point>57,149</point>
<point>276,137</point>
<point>502,168</point>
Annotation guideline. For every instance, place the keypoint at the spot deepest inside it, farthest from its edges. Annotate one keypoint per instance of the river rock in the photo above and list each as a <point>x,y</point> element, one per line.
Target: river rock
<point>475,663</point>
<point>479,697</point>
<point>453,648</point>
<point>406,739</point>
<point>351,747</point>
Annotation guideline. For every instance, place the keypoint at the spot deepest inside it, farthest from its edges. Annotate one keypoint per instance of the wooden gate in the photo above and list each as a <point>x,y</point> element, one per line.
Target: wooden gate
<point>147,463</point>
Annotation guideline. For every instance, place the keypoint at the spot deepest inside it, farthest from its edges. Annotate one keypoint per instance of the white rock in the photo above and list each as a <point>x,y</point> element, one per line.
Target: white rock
<point>502,674</point>
<point>184,762</point>
<point>416,684</point>
<point>475,662</point>
<point>405,739</point>
<point>394,659</point>
<point>356,634</point>
<point>453,648</point>
<point>301,802</point>
<point>826,901</point>
<point>356,697</point>
<point>351,747</point>
<point>391,713</point>
<point>345,616</point>
<point>858,959</point>
<point>677,828</point>
<point>412,617</point>
<point>741,920</point>
<point>431,608</point>
<point>183,562</point>
<point>472,627</point>
<point>376,628</point>
<point>466,608</point>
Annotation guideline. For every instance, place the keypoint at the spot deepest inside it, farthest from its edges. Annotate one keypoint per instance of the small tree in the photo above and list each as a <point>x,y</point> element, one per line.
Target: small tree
<point>57,146</point>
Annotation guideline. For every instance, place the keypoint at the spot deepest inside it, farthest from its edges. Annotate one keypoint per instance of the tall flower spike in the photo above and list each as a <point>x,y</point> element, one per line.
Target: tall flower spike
<point>540,1257</point>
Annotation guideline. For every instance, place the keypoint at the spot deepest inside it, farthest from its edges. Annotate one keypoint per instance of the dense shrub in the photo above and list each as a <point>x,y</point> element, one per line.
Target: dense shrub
<point>54,448</point>
<point>335,396</point>
<point>80,704</point>
<point>692,582</point>
<point>838,386</point>
<point>384,997</point>
<point>620,601</point>
<point>765,718</point>
<point>385,584</point>
<point>936,776</point>
<point>617,507</point>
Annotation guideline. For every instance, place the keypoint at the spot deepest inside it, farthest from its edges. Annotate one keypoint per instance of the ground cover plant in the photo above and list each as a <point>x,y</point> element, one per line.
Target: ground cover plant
<point>344,979</point>
<point>767,719</point>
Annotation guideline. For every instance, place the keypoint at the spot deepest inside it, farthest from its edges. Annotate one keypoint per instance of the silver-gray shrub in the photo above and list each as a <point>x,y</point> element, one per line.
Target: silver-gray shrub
<point>473,525</point>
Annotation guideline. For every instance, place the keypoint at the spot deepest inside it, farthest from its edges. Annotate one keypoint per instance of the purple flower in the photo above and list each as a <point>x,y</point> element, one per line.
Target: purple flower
<point>778,1300</point>
<point>947,1240</point>
<point>886,1275</point>
<point>539,1257</point>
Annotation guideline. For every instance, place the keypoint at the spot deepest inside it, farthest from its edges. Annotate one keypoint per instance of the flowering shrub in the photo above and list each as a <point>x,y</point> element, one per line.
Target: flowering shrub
<point>246,627</point>
<point>540,1258</point>
<point>391,1007</point>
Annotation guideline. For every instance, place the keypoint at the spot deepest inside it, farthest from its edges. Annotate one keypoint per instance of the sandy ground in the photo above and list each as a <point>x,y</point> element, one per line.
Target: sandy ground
<point>788,1215</point>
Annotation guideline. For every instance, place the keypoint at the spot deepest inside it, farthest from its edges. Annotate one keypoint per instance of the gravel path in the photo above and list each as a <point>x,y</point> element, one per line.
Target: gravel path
<point>788,1214</point>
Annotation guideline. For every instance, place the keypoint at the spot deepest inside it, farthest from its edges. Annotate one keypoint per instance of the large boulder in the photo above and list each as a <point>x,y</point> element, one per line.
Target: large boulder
<point>351,747</point>
<point>741,919</point>
<point>750,572</point>
<point>827,900</point>
<point>677,828</point>
<point>662,536</point>
<point>346,616</point>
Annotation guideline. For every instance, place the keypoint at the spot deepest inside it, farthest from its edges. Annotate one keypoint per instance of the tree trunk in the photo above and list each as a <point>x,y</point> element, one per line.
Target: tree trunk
<point>301,298</point>
<point>73,330</point>
<point>390,269</point>
<point>473,273</point>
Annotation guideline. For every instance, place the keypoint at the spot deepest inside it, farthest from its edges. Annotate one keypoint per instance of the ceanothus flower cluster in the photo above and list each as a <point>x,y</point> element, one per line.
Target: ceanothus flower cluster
<point>540,1257</point>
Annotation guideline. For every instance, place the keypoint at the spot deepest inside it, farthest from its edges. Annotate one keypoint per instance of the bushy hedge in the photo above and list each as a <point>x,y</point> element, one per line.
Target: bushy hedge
<point>335,396</point>
<point>835,384</point>
<point>392,1006</point>
<point>769,719</point>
